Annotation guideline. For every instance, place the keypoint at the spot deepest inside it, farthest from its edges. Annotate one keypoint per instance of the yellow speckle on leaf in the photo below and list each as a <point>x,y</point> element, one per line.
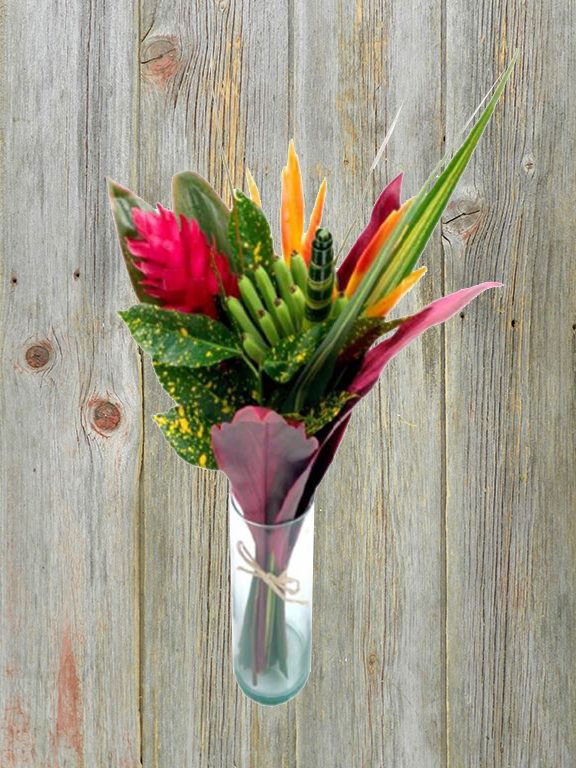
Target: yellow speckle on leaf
<point>183,331</point>
<point>185,427</point>
<point>200,430</point>
<point>202,460</point>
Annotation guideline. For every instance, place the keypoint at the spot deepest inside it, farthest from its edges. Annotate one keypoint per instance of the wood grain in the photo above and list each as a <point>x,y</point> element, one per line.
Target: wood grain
<point>375,695</point>
<point>70,400</point>
<point>444,597</point>
<point>511,415</point>
<point>193,712</point>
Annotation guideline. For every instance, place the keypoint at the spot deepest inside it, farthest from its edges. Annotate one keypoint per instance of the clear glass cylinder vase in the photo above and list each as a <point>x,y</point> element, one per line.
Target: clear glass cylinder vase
<point>271,572</point>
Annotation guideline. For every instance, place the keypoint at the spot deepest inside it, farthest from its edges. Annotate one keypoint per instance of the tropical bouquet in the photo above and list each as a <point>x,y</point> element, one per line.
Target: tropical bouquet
<point>266,356</point>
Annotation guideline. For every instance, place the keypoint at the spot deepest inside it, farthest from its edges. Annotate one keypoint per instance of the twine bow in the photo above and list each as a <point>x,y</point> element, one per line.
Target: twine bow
<point>278,583</point>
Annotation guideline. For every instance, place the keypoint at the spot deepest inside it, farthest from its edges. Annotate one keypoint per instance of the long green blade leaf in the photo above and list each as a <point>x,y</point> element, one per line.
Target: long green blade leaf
<point>395,260</point>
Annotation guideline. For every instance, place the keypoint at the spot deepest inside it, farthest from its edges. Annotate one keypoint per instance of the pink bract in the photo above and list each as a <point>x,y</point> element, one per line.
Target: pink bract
<point>181,268</point>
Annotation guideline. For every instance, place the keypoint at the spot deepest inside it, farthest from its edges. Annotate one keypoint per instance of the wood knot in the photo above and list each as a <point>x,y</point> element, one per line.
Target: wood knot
<point>37,356</point>
<point>160,59</point>
<point>462,217</point>
<point>529,165</point>
<point>372,663</point>
<point>106,416</point>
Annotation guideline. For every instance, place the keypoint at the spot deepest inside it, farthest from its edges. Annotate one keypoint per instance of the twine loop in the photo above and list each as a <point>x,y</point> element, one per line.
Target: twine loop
<point>278,583</point>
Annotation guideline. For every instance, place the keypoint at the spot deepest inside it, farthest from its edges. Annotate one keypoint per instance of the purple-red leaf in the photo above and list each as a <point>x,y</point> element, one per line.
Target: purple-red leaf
<point>388,201</point>
<point>379,356</point>
<point>267,462</point>
<point>372,366</point>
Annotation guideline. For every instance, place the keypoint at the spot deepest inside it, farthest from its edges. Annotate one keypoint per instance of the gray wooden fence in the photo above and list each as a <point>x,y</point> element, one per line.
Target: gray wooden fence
<point>445,541</point>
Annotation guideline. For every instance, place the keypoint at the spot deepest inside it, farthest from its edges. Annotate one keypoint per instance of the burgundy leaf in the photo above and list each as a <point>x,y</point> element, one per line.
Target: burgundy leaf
<point>267,462</point>
<point>440,310</point>
<point>388,201</point>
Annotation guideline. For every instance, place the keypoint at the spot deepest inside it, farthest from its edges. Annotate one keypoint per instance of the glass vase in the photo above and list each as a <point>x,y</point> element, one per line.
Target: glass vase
<point>271,571</point>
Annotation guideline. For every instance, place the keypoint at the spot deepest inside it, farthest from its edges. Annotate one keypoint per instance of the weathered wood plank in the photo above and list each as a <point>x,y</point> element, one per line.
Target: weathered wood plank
<point>376,695</point>
<point>69,393</point>
<point>194,713</point>
<point>511,401</point>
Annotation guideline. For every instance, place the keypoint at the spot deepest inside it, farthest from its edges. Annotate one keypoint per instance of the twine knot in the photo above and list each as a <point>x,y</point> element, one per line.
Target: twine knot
<point>279,583</point>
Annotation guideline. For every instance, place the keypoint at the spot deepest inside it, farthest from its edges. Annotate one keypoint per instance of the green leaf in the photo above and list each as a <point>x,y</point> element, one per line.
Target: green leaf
<point>178,338</point>
<point>317,417</point>
<point>396,259</point>
<point>249,235</point>
<point>196,199</point>
<point>205,397</point>
<point>189,437</point>
<point>122,201</point>
<point>366,331</point>
<point>292,352</point>
<point>215,393</point>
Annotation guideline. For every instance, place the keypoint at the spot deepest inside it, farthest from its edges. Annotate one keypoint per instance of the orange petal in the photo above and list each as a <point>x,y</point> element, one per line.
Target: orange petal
<point>385,305</point>
<point>254,194</point>
<point>285,230</point>
<point>296,198</point>
<point>315,219</point>
<point>374,247</point>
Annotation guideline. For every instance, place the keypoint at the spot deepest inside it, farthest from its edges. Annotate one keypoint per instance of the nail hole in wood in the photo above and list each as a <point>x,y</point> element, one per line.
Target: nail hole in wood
<point>513,323</point>
<point>76,274</point>
<point>14,280</point>
<point>462,315</point>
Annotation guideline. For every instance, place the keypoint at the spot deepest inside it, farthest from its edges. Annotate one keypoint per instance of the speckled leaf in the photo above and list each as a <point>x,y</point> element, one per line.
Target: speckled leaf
<point>290,354</point>
<point>207,396</point>
<point>193,196</point>
<point>178,338</point>
<point>325,412</point>
<point>189,437</point>
<point>216,392</point>
<point>366,331</point>
<point>122,202</point>
<point>249,235</point>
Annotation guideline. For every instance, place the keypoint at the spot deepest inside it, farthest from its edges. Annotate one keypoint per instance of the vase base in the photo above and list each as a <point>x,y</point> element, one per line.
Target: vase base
<point>272,686</point>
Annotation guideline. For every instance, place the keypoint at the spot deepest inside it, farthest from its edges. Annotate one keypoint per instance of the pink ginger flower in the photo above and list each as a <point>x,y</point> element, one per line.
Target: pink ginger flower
<point>181,268</point>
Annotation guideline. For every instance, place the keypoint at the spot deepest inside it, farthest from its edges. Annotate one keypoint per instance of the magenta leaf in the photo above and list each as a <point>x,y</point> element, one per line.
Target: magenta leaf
<point>267,461</point>
<point>437,312</point>
<point>388,201</point>
<point>372,366</point>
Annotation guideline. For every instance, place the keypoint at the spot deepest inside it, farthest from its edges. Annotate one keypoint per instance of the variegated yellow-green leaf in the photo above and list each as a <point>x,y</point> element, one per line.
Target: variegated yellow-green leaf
<point>205,399</point>
<point>249,235</point>
<point>189,437</point>
<point>292,352</point>
<point>323,413</point>
<point>178,338</point>
<point>213,395</point>
<point>366,331</point>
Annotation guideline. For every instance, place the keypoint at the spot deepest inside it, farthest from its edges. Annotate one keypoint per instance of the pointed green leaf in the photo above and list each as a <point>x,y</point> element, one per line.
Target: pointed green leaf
<point>193,196</point>
<point>178,338</point>
<point>122,202</point>
<point>249,235</point>
<point>292,352</point>
<point>317,417</point>
<point>189,437</point>
<point>397,258</point>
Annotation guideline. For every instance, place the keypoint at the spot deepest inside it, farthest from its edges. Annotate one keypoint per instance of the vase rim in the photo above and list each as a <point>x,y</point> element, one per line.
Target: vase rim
<point>267,526</point>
